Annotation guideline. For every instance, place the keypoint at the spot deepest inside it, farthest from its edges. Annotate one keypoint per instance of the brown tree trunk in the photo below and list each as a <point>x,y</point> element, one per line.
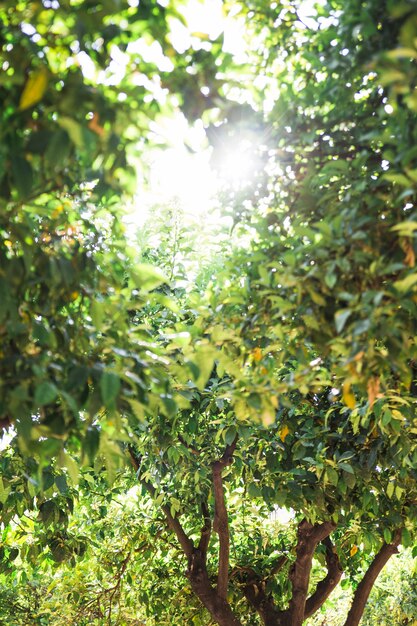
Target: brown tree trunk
<point>365,586</point>
<point>325,587</point>
<point>217,606</point>
<point>309,536</point>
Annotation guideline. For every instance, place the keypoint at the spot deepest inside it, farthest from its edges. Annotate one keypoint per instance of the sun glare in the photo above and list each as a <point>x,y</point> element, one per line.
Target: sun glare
<point>191,180</point>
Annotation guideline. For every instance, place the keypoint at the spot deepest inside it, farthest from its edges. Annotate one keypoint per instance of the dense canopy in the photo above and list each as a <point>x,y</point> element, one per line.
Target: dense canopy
<point>209,418</point>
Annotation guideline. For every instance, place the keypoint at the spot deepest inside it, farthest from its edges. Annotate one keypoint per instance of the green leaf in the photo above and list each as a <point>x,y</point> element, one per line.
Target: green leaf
<point>346,467</point>
<point>45,393</point>
<point>253,490</point>
<point>406,229</point>
<point>61,483</point>
<point>203,359</point>
<point>406,283</point>
<point>229,435</point>
<point>406,538</point>
<point>91,443</point>
<point>147,277</point>
<point>74,130</point>
<point>109,388</point>
<point>48,512</point>
<point>332,476</point>
<point>22,176</point>
<point>341,318</point>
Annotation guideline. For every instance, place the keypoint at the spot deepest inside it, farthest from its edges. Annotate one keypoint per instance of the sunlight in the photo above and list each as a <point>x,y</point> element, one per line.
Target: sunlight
<point>187,178</point>
<point>237,165</point>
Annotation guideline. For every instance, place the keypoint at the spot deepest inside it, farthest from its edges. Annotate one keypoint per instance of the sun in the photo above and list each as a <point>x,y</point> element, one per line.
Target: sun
<point>192,179</point>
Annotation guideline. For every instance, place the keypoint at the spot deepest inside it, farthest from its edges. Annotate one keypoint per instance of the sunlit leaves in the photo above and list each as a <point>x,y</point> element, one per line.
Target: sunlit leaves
<point>34,89</point>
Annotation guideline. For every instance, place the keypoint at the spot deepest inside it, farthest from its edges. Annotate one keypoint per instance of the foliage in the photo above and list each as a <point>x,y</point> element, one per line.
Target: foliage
<point>279,373</point>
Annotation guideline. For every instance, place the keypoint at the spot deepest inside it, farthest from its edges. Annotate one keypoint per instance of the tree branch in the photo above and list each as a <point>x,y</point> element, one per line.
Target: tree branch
<point>278,565</point>
<point>173,522</point>
<point>221,524</point>
<point>365,586</point>
<point>206,530</point>
<point>325,586</point>
<point>255,592</point>
<point>309,536</point>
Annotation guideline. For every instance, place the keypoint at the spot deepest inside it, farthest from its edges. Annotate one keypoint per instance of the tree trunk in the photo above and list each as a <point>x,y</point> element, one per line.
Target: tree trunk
<point>309,536</point>
<point>365,586</point>
<point>217,606</point>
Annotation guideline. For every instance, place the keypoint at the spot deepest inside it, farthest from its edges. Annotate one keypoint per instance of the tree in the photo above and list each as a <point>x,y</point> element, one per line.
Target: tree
<point>287,381</point>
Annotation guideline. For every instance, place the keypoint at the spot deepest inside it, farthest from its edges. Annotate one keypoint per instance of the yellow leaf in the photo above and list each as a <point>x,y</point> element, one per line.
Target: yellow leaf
<point>410,257</point>
<point>257,354</point>
<point>283,433</point>
<point>373,388</point>
<point>353,550</point>
<point>348,396</point>
<point>34,89</point>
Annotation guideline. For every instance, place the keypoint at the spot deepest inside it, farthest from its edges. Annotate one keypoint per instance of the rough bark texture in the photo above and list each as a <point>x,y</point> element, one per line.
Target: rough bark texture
<point>217,606</point>
<point>221,523</point>
<point>254,589</point>
<point>309,536</point>
<point>365,586</point>
<point>325,586</point>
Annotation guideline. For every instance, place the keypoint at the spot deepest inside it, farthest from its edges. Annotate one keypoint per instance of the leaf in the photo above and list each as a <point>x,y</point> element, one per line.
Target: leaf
<point>341,318</point>
<point>405,228</point>
<point>230,435</point>
<point>22,176</point>
<point>91,443</point>
<point>373,389</point>
<point>406,538</point>
<point>402,53</point>
<point>109,387</point>
<point>147,277</point>
<point>48,512</point>
<point>58,149</point>
<point>204,360</point>
<point>353,550</point>
<point>74,130</point>
<point>348,396</point>
<point>346,467</point>
<point>284,432</point>
<point>390,489</point>
<point>257,354</point>
<point>406,283</point>
<point>45,393</point>
<point>4,491</point>
<point>34,89</point>
<point>332,476</point>
<point>66,461</point>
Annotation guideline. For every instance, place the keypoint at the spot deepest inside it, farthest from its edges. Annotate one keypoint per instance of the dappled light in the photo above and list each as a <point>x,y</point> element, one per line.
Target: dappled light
<point>208,313</point>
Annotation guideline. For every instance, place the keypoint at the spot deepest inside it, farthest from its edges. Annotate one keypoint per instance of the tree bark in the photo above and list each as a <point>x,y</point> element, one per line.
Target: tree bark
<point>254,589</point>
<point>325,586</point>
<point>309,536</point>
<point>217,606</point>
<point>221,522</point>
<point>365,586</point>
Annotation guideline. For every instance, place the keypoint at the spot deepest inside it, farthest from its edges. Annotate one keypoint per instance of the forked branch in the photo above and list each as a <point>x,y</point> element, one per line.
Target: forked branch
<point>221,523</point>
<point>309,536</point>
<point>325,587</point>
